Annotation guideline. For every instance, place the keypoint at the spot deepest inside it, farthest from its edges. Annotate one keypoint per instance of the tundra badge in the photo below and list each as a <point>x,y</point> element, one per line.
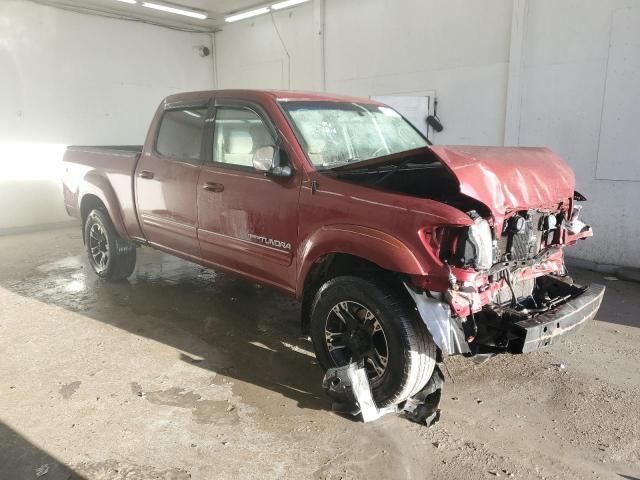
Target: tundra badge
<point>270,242</point>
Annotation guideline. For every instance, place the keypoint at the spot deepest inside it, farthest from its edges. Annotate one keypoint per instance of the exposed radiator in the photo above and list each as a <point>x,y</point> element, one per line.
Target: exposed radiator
<point>524,244</point>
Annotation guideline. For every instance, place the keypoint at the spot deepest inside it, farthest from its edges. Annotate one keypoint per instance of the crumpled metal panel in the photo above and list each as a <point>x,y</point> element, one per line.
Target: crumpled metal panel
<point>446,331</point>
<point>423,406</point>
<point>506,178</point>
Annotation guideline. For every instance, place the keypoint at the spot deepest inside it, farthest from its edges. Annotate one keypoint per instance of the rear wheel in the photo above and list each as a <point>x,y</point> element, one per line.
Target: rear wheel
<point>110,256</point>
<point>354,319</point>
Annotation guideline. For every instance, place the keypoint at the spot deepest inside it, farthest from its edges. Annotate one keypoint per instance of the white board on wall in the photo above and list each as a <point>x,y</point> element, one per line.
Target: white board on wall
<point>619,149</point>
<point>412,107</point>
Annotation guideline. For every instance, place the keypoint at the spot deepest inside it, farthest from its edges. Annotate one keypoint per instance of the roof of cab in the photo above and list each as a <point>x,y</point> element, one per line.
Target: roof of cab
<point>278,95</point>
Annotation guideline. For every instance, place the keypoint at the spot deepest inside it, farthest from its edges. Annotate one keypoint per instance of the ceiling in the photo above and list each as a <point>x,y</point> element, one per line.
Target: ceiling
<point>216,10</point>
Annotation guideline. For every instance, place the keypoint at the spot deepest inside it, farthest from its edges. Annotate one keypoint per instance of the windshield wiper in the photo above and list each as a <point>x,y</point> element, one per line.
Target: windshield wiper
<point>397,167</point>
<point>373,163</point>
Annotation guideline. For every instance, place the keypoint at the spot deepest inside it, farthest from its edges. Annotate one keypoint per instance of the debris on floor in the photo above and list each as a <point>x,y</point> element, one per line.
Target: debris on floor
<point>423,406</point>
<point>557,366</point>
<point>42,470</point>
<point>349,388</point>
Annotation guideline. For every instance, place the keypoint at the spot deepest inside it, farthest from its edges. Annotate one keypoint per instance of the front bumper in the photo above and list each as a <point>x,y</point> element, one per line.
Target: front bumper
<point>550,327</point>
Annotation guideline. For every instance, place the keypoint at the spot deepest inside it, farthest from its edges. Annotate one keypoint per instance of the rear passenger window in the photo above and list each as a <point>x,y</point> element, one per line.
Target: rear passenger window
<point>180,134</point>
<point>238,133</point>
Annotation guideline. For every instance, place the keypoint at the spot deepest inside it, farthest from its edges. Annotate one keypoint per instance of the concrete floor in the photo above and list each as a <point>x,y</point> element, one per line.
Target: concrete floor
<point>187,373</point>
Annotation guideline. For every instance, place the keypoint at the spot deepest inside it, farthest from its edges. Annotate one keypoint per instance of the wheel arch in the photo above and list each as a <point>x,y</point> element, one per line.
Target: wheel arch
<point>370,245</point>
<point>348,250</point>
<point>97,192</point>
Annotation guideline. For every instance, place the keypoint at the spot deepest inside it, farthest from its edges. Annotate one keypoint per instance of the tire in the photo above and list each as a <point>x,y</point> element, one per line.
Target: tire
<point>411,352</point>
<point>111,257</point>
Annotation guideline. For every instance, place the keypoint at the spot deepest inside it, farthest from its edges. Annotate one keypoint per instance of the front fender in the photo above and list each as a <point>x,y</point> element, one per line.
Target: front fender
<point>98,185</point>
<point>373,245</point>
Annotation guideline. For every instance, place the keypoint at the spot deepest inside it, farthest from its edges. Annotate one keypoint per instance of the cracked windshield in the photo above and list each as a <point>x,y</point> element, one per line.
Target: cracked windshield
<point>335,134</point>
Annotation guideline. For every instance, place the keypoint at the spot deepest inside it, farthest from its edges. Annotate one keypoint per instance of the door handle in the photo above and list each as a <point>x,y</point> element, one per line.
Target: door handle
<point>146,174</point>
<point>213,187</point>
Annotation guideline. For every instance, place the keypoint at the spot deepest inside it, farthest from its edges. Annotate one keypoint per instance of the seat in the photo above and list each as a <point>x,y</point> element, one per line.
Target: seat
<point>238,148</point>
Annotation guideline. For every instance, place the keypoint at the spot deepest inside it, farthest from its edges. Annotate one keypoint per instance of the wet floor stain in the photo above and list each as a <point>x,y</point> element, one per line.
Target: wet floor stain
<point>67,263</point>
<point>136,389</point>
<point>218,322</point>
<point>204,411</point>
<point>68,389</point>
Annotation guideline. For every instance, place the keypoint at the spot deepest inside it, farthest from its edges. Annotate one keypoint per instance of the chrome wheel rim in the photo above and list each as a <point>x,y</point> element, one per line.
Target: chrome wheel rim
<point>98,246</point>
<point>353,333</point>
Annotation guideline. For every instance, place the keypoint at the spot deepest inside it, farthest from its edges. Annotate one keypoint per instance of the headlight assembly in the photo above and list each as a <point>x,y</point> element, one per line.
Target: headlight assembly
<point>475,245</point>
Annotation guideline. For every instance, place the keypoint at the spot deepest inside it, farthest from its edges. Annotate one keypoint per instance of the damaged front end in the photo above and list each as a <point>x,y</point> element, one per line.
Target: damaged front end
<point>507,291</point>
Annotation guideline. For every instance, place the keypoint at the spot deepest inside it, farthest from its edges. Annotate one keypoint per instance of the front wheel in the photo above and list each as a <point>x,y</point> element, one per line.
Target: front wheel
<point>353,319</point>
<point>110,256</point>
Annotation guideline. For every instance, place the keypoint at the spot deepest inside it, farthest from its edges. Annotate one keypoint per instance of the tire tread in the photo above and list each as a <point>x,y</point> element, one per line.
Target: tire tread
<point>123,255</point>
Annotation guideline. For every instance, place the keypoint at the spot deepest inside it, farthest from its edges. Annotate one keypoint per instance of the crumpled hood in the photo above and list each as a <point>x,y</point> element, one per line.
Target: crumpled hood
<point>508,178</point>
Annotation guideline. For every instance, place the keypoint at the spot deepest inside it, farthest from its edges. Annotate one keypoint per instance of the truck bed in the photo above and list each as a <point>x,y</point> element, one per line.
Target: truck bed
<point>102,148</point>
<point>106,171</point>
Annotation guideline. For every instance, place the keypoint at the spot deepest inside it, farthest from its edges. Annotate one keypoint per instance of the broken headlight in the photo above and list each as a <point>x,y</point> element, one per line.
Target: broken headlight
<point>475,245</point>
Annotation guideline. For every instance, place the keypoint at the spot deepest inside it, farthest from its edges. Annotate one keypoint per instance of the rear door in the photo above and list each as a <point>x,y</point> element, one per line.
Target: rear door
<point>166,181</point>
<point>248,222</point>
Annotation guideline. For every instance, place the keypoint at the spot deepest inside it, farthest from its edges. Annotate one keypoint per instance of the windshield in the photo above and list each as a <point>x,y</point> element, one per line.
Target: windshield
<point>338,133</point>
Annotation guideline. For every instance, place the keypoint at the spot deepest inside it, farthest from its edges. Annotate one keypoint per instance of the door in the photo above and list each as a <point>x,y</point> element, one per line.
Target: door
<point>248,221</point>
<point>167,178</point>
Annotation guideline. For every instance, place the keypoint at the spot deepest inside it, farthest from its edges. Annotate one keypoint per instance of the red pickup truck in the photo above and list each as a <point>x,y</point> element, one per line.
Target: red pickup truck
<point>400,251</point>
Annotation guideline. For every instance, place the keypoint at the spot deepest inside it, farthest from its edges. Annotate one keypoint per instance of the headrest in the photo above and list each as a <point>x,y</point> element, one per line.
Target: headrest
<point>261,136</point>
<point>239,141</point>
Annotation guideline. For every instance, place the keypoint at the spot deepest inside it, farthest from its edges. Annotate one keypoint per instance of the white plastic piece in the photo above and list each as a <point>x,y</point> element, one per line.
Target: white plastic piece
<point>575,225</point>
<point>447,333</point>
<point>362,391</point>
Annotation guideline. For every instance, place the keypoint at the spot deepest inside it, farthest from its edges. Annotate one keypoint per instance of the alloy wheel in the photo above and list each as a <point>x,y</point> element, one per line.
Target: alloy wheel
<point>98,246</point>
<point>353,333</point>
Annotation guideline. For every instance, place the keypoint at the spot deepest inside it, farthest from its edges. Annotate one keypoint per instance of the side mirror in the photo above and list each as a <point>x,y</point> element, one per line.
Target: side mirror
<point>434,123</point>
<point>265,159</point>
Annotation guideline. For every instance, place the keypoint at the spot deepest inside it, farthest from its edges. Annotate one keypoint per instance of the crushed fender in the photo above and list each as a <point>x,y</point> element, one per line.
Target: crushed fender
<point>350,391</point>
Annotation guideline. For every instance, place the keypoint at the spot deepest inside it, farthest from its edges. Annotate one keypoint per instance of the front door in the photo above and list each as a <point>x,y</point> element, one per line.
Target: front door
<point>166,182</point>
<point>248,222</point>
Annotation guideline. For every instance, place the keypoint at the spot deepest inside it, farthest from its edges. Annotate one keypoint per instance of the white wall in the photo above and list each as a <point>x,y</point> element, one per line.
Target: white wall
<point>458,49</point>
<point>570,70</point>
<point>67,78</point>
<point>250,54</point>
<point>581,97</point>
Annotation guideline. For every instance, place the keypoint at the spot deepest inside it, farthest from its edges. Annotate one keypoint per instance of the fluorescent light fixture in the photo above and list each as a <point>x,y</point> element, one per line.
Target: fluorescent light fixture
<point>175,9</point>
<point>287,3</point>
<point>248,14</point>
<point>193,114</point>
<point>132,2</point>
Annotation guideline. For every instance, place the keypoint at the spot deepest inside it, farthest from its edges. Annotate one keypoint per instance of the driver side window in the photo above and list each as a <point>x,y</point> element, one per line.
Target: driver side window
<point>238,133</point>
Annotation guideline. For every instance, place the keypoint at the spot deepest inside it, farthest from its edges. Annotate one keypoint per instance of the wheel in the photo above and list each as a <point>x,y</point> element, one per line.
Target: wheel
<point>110,256</point>
<point>353,318</point>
